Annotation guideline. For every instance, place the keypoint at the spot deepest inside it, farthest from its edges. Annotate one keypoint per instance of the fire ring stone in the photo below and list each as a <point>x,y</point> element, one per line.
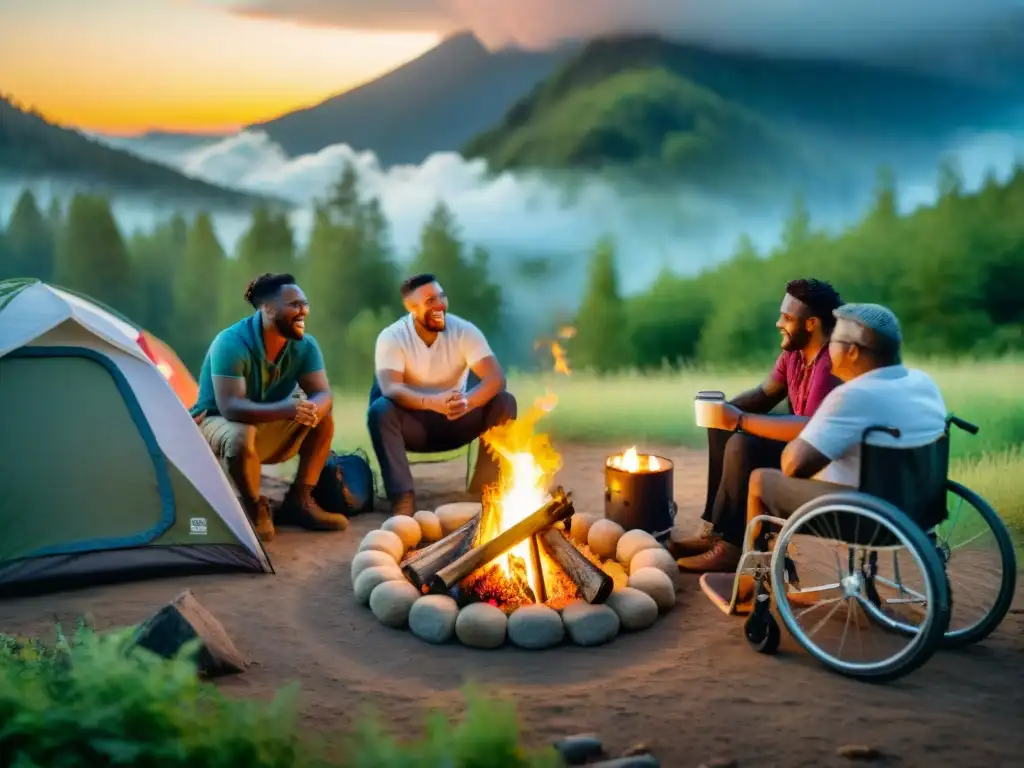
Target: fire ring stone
<point>381,581</point>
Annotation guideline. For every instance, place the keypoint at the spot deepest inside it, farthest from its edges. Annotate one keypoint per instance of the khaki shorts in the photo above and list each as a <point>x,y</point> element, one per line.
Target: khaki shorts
<point>275,441</point>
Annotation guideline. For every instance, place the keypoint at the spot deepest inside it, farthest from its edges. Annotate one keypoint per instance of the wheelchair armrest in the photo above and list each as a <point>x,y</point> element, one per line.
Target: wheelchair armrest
<point>892,431</point>
<point>966,426</point>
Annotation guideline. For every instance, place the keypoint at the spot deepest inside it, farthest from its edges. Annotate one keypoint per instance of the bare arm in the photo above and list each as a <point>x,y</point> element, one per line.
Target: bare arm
<point>395,389</point>
<point>761,399</point>
<point>318,391</point>
<point>781,428</point>
<point>492,381</point>
<point>801,459</point>
<point>233,405</point>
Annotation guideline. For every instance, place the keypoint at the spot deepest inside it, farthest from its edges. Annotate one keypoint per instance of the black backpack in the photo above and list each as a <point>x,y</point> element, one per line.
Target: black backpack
<point>347,484</point>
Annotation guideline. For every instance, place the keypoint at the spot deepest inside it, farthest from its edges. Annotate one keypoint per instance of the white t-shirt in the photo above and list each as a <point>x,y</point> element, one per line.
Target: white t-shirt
<point>894,396</point>
<point>441,367</point>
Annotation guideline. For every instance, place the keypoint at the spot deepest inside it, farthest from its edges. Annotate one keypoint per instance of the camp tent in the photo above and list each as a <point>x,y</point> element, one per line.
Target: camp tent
<point>103,473</point>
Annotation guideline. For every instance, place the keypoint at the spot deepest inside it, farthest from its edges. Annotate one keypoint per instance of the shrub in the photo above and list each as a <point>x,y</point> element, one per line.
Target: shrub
<point>92,700</point>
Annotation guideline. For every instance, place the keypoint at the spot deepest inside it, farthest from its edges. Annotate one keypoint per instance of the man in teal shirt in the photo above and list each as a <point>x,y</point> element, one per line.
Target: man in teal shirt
<point>263,398</point>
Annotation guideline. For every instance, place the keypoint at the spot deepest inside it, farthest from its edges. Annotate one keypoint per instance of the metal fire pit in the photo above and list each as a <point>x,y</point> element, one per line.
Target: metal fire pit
<point>643,499</point>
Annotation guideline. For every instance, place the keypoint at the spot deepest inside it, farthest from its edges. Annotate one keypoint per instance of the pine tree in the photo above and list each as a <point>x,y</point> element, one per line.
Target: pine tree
<point>30,243</point>
<point>268,245</point>
<point>600,341</point>
<point>197,293</point>
<point>92,257</point>
<point>157,256</point>
<point>465,280</point>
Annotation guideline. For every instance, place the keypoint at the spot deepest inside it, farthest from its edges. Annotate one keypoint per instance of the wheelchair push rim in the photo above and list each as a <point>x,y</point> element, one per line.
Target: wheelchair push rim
<point>854,586</point>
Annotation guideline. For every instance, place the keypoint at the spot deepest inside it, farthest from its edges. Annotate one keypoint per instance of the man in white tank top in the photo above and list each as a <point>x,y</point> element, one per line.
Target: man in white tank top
<point>420,400</point>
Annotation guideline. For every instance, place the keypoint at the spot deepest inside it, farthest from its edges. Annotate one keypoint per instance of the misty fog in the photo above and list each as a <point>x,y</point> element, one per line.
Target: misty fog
<point>537,217</point>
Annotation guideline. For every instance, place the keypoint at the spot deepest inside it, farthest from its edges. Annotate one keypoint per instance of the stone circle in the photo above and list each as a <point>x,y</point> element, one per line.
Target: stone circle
<point>369,558</point>
<point>391,602</point>
<point>430,526</point>
<point>407,529</point>
<point>604,537</point>
<point>655,583</point>
<point>632,542</point>
<point>371,577</point>
<point>644,574</point>
<point>383,541</point>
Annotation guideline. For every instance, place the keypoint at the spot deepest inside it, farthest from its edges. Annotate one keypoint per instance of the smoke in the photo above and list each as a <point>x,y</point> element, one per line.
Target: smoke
<point>860,29</point>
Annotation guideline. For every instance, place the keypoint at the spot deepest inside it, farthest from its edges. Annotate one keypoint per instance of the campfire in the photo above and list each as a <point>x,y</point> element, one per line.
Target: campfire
<point>517,550</point>
<point>523,565</point>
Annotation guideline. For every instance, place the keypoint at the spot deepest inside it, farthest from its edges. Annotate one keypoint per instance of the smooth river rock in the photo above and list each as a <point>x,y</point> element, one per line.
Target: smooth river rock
<point>590,624</point>
<point>430,526</point>
<point>391,602</point>
<point>369,558</point>
<point>659,558</point>
<point>371,577</point>
<point>383,541</point>
<point>635,609</point>
<point>632,542</point>
<point>432,618</point>
<point>454,516</point>
<point>535,627</point>
<point>407,529</point>
<point>481,625</point>
<point>656,584</point>
<point>579,527</point>
<point>604,537</point>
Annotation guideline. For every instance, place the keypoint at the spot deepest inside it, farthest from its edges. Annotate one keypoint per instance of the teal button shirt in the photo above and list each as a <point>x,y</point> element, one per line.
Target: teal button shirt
<point>237,352</point>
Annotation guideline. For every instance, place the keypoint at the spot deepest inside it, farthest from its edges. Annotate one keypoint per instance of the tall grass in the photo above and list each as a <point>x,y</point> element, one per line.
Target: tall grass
<point>632,408</point>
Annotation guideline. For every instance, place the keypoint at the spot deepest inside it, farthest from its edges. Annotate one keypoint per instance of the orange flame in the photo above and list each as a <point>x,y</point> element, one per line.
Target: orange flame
<point>631,461</point>
<point>558,351</point>
<point>528,464</point>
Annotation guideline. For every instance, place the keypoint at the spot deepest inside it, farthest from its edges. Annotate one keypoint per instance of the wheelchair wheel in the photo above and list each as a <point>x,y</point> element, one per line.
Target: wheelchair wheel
<point>847,528</point>
<point>762,631</point>
<point>982,578</point>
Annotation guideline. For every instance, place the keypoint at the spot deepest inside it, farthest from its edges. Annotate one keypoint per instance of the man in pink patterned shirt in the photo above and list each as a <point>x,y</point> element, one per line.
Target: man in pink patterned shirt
<point>753,438</point>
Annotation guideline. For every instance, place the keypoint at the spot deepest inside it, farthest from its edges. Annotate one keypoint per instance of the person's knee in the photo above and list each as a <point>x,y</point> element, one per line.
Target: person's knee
<point>239,445</point>
<point>505,405</point>
<point>381,412</point>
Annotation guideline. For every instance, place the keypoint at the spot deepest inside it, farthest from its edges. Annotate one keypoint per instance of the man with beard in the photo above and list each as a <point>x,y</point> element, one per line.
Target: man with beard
<point>263,398</point>
<point>420,400</point>
<point>750,438</point>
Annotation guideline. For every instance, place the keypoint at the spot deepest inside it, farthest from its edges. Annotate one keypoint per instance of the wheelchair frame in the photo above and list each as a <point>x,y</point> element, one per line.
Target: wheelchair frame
<point>767,568</point>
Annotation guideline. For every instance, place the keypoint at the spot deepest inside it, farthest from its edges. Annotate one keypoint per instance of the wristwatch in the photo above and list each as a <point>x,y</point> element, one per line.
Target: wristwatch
<point>739,422</point>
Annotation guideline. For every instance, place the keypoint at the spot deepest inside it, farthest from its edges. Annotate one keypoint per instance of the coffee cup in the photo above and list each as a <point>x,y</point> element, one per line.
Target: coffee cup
<point>707,408</point>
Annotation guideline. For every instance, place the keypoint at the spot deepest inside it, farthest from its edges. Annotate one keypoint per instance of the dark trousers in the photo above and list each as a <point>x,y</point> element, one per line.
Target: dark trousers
<point>395,430</point>
<point>732,456</point>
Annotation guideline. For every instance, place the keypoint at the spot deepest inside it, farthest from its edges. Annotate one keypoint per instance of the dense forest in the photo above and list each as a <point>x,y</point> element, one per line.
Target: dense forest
<point>953,271</point>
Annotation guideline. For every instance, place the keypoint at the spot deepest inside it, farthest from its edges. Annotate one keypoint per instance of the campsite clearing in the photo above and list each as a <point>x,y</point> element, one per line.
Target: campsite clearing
<point>689,686</point>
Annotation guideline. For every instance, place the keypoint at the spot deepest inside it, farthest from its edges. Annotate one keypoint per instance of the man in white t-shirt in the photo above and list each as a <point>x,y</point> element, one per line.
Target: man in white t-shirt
<point>877,390</point>
<point>421,401</point>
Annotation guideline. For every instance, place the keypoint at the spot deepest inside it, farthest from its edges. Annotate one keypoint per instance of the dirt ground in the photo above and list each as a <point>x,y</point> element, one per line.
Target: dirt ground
<point>689,687</point>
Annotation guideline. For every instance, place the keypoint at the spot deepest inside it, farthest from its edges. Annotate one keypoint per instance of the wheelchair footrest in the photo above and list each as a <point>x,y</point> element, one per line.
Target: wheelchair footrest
<point>733,593</point>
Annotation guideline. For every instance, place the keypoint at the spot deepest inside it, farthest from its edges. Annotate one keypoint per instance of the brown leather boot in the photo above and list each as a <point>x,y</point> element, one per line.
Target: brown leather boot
<point>403,504</point>
<point>691,546</point>
<point>723,557</point>
<point>262,521</point>
<point>300,508</point>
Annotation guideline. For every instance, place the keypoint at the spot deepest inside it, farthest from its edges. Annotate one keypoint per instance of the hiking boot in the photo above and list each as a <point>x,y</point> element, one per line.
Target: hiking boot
<point>692,546</point>
<point>723,557</point>
<point>262,521</point>
<point>300,508</point>
<point>403,504</point>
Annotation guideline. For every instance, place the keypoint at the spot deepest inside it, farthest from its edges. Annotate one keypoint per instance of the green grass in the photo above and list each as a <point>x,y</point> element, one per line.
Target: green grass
<point>631,408</point>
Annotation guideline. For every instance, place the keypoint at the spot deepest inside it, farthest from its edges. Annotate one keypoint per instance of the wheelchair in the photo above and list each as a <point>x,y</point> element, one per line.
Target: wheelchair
<point>899,519</point>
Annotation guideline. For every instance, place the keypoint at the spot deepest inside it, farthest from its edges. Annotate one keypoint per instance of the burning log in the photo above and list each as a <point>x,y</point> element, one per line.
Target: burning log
<point>594,584</point>
<point>538,568</point>
<point>559,508</point>
<point>420,567</point>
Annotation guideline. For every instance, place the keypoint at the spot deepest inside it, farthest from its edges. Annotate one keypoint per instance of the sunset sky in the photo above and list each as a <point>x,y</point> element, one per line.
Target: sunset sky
<point>127,66</point>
